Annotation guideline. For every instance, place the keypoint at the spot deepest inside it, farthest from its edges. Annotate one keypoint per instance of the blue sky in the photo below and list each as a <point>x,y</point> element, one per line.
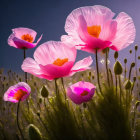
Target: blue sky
<point>48,17</point>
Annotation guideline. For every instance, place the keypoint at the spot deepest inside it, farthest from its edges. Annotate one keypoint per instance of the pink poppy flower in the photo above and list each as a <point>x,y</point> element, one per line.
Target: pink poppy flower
<point>23,38</point>
<point>81,92</point>
<point>54,60</point>
<point>93,27</point>
<point>17,92</point>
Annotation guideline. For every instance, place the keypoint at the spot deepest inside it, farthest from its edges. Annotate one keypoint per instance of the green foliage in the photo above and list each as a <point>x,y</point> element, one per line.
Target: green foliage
<point>112,115</point>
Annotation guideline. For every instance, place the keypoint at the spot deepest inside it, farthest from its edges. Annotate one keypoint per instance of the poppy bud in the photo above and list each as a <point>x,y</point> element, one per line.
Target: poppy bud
<point>34,133</point>
<point>130,51</point>
<point>128,84</point>
<point>133,65</point>
<point>136,47</point>
<point>118,68</point>
<point>137,103</point>
<point>116,55</point>
<point>44,92</point>
<point>125,60</point>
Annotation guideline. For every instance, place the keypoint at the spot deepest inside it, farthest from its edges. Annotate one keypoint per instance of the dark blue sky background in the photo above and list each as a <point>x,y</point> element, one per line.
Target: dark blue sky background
<point>48,17</point>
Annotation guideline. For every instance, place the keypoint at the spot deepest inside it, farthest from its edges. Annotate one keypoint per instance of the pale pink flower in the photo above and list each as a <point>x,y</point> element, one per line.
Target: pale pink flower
<point>81,92</point>
<point>54,60</point>
<point>23,38</point>
<point>93,27</point>
<point>18,92</point>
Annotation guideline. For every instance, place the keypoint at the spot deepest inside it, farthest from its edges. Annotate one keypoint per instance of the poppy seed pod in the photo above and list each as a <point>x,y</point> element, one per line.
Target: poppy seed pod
<point>136,47</point>
<point>128,84</point>
<point>130,51</point>
<point>125,60</point>
<point>118,68</point>
<point>116,55</point>
<point>44,92</point>
<point>133,65</point>
<point>34,133</point>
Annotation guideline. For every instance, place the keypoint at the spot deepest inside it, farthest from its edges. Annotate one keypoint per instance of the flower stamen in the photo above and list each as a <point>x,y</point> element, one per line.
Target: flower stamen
<point>94,30</point>
<point>84,93</point>
<point>27,38</point>
<point>19,94</point>
<point>60,62</point>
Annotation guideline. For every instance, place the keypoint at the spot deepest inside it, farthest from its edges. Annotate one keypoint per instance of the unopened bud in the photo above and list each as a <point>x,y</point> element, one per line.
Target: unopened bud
<point>34,133</point>
<point>128,84</point>
<point>136,47</point>
<point>133,65</point>
<point>116,55</point>
<point>137,103</point>
<point>130,51</point>
<point>44,92</point>
<point>118,68</point>
<point>125,60</point>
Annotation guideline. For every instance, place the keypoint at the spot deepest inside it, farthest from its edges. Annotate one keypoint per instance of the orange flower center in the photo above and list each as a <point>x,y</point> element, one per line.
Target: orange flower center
<point>84,93</point>
<point>19,94</point>
<point>27,38</point>
<point>60,62</point>
<point>94,30</point>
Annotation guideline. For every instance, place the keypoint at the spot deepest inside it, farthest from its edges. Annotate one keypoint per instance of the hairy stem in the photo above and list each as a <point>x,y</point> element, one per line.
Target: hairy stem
<point>62,80</point>
<point>107,67</point>
<point>18,106</point>
<point>24,54</point>
<point>97,69</point>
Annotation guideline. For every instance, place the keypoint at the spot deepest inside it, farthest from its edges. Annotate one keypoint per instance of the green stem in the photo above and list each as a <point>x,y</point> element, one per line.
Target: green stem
<point>126,100</point>
<point>120,88</point>
<point>116,84</point>
<point>136,62</point>
<point>18,106</point>
<point>130,72</point>
<point>111,76</point>
<point>56,87</point>
<point>44,125</point>
<point>62,80</point>
<point>24,54</point>
<point>107,67</point>
<point>125,72</point>
<point>97,69</point>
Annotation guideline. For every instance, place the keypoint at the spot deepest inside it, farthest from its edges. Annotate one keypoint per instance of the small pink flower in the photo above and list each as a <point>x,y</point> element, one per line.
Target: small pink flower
<point>81,92</point>
<point>17,92</point>
<point>93,27</point>
<point>54,60</point>
<point>23,38</point>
